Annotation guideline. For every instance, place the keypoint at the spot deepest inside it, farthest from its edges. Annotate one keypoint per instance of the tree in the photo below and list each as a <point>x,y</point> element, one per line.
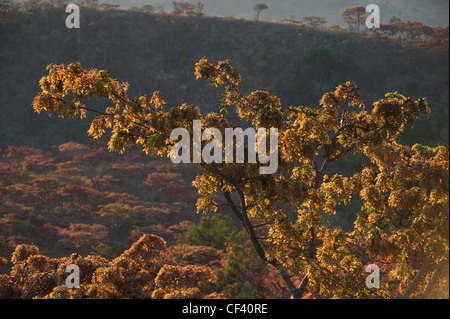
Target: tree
<point>418,30</point>
<point>355,17</point>
<point>84,237</point>
<point>244,275</point>
<point>199,8</point>
<point>394,19</point>
<point>215,231</point>
<point>315,21</point>
<point>441,35</point>
<point>386,30</point>
<point>411,30</point>
<point>5,5</point>
<point>147,8</point>
<point>258,8</point>
<point>182,7</point>
<point>403,223</point>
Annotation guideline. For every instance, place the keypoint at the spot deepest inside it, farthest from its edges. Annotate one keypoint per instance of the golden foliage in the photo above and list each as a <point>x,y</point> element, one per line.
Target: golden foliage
<point>139,272</point>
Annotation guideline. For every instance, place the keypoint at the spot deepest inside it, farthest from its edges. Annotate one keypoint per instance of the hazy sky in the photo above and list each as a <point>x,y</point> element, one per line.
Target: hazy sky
<point>431,12</point>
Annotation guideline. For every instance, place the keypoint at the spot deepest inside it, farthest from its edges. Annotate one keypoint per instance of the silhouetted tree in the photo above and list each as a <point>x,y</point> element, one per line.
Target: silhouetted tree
<point>258,8</point>
<point>355,17</point>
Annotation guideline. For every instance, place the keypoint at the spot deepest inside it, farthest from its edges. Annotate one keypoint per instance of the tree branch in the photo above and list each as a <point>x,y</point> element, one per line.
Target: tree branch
<point>36,281</point>
<point>435,277</point>
<point>99,112</point>
<point>243,217</point>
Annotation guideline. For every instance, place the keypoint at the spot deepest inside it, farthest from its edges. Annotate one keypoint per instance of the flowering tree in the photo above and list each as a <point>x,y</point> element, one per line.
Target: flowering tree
<point>182,7</point>
<point>355,17</point>
<point>403,223</point>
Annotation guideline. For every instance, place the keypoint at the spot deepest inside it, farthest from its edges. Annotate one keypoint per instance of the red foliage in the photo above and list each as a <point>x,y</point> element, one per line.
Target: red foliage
<point>17,151</point>
<point>162,180</point>
<point>104,181</point>
<point>60,205</point>
<point>127,168</point>
<point>356,10</point>
<point>5,168</point>
<point>181,6</point>
<point>354,16</point>
<point>37,161</point>
<point>159,230</point>
<point>123,198</point>
<point>67,168</point>
<point>82,237</point>
<point>165,167</point>
<point>89,154</point>
<point>415,31</point>
<point>20,189</point>
<point>81,192</point>
<point>418,30</point>
<point>13,241</point>
<point>184,255</point>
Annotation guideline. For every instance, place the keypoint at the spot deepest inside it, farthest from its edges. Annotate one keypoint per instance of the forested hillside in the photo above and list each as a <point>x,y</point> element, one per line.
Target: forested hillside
<point>65,198</point>
<point>152,51</point>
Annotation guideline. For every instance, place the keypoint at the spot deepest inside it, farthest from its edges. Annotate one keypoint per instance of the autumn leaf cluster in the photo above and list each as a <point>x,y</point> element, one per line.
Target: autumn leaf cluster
<point>139,272</point>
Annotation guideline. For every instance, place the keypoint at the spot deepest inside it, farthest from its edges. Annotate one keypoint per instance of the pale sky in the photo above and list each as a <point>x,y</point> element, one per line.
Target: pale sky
<point>431,12</point>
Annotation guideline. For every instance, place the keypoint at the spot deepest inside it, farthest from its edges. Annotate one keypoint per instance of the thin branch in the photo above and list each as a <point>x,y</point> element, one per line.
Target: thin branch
<point>36,281</point>
<point>435,277</point>
<point>255,106</point>
<point>335,135</point>
<point>413,285</point>
<point>243,217</point>
<point>99,112</point>
<point>228,205</point>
